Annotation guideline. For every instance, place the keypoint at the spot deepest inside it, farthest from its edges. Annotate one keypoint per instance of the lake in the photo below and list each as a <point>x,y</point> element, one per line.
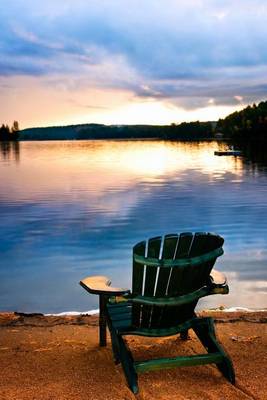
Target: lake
<point>70,209</point>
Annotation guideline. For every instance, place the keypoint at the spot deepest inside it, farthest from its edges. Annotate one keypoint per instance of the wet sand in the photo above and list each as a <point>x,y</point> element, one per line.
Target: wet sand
<point>49,358</point>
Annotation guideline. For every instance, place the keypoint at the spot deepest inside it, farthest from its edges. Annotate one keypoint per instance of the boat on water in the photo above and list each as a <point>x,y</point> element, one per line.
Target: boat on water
<point>230,152</point>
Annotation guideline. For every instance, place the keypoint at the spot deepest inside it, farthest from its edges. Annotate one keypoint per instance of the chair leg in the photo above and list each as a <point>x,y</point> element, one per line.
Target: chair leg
<point>227,369</point>
<point>205,331</point>
<point>128,365</point>
<point>115,346</point>
<point>102,320</point>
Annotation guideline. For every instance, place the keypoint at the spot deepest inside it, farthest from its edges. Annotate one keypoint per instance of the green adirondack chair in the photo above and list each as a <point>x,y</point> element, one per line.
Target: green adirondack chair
<point>170,275</point>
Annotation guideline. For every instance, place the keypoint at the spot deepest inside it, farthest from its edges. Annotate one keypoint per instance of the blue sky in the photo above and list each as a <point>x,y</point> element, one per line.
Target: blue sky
<point>118,61</point>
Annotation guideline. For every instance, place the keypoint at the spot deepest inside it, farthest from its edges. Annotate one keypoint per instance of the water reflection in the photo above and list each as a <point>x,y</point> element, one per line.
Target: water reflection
<point>10,150</point>
<point>255,154</point>
<point>76,208</point>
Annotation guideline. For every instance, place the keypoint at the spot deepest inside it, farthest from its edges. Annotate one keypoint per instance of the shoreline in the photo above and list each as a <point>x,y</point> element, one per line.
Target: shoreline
<point>204,139</point>
<point>221,309</point>
<point>58,357</point>
<point>10,318</point>
<point>92,312</point>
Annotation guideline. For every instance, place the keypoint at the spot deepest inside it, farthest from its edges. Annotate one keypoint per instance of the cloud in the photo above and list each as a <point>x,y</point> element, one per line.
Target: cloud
<point>186,52</point>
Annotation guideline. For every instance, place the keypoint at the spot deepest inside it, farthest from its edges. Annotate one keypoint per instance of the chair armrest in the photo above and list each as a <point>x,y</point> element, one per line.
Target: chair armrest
<point>101,285</point>
<point>218,283</point>
<point>217,278</point>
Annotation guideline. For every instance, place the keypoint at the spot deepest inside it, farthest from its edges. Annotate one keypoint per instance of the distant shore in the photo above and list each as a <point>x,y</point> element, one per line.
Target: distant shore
<point>56,357</point>
<point>186,130</point>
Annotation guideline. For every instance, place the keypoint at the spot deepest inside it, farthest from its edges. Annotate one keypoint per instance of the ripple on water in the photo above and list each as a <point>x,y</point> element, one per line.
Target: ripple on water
<point>70,209</point>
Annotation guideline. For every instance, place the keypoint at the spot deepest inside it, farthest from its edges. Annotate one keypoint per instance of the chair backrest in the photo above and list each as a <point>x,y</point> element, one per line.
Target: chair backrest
<point>171,266</point>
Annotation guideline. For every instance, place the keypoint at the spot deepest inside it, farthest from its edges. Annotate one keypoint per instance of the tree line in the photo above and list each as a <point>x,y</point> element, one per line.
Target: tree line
<point>185,131</point>
<point>249,124</point>
<point>7,133</point>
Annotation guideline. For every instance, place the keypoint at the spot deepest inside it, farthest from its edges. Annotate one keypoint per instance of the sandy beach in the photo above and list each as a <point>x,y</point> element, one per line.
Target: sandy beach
<point>53,357</point>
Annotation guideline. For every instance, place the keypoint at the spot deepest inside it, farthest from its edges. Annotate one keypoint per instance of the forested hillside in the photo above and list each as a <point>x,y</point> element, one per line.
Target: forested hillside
<point>247,124</point>
<point>186,130</point>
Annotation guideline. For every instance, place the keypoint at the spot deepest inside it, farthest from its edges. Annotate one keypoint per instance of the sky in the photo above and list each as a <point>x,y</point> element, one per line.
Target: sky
<point>130,62</point>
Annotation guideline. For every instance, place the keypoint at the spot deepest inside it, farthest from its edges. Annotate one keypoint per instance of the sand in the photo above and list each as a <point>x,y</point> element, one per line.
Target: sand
<point>48,358</point>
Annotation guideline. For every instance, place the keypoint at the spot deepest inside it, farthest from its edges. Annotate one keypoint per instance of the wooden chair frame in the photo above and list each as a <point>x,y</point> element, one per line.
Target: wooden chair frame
<point>117,305</point>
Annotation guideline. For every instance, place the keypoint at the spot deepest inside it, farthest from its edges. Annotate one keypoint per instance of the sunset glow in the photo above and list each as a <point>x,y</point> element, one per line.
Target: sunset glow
<point>109,62</point>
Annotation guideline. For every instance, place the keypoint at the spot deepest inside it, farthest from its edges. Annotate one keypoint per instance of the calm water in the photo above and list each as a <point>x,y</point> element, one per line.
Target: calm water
<point>71,209</point>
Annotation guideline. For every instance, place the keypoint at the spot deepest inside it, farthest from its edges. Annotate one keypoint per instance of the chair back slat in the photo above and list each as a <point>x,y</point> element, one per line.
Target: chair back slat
<point>158,281</point>
<point>203,243</point>
<point>153,250</point>
<point>164,276</point>
<point>176,286</point>
<point>168,251</point>
<point>184,245</point>
<point>137,280</point>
